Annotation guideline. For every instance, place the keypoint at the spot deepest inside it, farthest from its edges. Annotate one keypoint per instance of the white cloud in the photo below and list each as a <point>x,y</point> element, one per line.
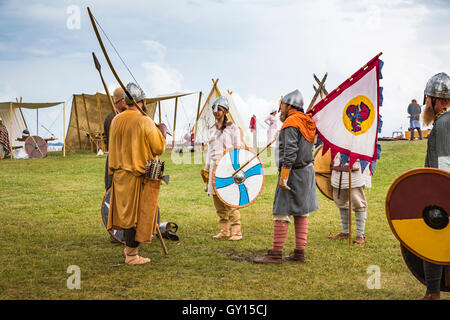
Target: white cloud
<point>160,78</point>
<point>38,10</point>
<point>156,51</point>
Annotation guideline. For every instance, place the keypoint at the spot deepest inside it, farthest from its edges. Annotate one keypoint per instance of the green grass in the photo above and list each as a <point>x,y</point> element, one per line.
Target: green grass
<point>50,219</point>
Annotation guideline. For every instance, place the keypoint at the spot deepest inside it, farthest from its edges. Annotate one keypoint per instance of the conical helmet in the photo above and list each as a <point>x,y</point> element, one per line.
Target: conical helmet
<point>294,99</point>
<point>220,101</point>
<point>136,92</point>
<point>438,86</point>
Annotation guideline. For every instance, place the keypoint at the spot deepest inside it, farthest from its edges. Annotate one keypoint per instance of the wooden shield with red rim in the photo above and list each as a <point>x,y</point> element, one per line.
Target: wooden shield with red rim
<point>417,209</point>
<point>322,168</point>
<point>36,147</point>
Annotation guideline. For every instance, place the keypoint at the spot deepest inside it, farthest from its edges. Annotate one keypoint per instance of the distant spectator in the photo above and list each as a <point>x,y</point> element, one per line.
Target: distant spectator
<point>414,116</point>
<point>253,130</point>
<point>25,134</point>
<point>5,148</point>
<point>272,123</point>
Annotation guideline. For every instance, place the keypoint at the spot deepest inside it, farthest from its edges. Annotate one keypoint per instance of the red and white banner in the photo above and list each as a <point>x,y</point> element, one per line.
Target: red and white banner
<point>347,119</point>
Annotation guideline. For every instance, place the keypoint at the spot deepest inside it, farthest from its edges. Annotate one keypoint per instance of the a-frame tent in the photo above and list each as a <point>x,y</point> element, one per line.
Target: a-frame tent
<point>205,118</point>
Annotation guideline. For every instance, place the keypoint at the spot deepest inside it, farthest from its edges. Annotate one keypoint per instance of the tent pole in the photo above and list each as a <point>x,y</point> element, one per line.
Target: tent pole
<point>37,121</point>
<point>64,129</point>
<point>209,96</point>
<point>87,119</point>
<point>101,120</point>
<point>23,118</point>
<point>175,122</point>
<point>11,133</point>
<point>85,111</point>
<point>159,110</point>
<point>217,89</point>
<point>198,113</point>
<point>76,117</point>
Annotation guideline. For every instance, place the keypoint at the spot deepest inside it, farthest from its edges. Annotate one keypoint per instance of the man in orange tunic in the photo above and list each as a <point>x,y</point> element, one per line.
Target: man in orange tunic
<point>134,140</point>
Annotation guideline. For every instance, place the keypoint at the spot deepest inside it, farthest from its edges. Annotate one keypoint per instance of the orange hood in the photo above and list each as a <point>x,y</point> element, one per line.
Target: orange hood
<point>302,122</point>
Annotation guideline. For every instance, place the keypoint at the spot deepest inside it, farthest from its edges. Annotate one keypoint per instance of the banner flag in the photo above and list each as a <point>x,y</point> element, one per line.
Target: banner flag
<point>348,119</point>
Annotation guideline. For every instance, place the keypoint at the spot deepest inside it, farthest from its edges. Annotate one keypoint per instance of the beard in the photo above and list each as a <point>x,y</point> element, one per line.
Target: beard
<point>283,116</point>
<point>428,114</point>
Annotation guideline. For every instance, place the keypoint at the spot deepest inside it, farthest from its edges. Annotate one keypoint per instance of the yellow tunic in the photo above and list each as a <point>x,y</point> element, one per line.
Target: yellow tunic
<point>134,139</point>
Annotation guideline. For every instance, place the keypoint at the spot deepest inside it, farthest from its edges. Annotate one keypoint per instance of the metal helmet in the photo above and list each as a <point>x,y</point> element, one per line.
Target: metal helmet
<point>438,87</point>
<point>220,101</point>
<point>168,230</point>
<point>294,99</point>
<point>135,91</point>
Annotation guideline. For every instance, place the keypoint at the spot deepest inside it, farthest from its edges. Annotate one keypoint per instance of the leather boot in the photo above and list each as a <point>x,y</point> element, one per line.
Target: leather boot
<point>236,233</point>
<point>360,240</point>
<point>340,235</point>
<point>432,296</point>
<point>272,256</point>
<point>298,256</point>
<point>420,134</point>
<point>132,257</point>
<point>412,134</point>
<point>224,230</point>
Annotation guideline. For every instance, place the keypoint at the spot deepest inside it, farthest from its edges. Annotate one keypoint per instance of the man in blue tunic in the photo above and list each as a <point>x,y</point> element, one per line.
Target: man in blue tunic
<point>414,117</point>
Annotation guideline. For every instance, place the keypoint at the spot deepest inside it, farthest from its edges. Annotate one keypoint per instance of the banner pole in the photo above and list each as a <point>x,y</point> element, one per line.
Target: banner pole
<point>64,129</point>
<point>11,133</point>
<point>350,206</point>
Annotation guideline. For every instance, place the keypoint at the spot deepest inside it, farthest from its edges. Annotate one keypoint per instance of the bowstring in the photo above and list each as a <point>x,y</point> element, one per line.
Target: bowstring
<point>117,52</point>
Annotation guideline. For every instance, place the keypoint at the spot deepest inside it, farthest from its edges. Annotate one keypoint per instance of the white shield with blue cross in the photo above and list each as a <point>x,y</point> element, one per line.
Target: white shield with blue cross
<point>243,188</point>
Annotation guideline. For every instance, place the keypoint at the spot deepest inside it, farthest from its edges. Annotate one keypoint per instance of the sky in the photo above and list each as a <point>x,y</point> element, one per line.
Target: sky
<point>259,49</point>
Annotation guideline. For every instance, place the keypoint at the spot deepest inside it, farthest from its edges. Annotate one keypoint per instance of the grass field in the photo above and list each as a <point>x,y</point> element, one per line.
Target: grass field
<point>50,219</point>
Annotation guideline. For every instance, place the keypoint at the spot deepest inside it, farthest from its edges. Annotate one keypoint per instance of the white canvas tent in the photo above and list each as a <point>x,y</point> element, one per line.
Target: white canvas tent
<point>13,119</point>
<point>205,118</point>
<point>88,114</point>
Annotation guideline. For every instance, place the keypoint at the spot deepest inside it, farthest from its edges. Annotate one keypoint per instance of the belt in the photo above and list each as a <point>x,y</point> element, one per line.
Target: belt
<point>301,167</point>
<point>343,169</point>
<point>298,167</point>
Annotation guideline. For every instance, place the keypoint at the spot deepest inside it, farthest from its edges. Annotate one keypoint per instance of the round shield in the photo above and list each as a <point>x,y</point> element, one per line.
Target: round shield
<point>322,167</point>
<point>415,265</point>
<point>36,147</point>
<point>242,189</point>
<point>417,209</point>
<point>116,234</point>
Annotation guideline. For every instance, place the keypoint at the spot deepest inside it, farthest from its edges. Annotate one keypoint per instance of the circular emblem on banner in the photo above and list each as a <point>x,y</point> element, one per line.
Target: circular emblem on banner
<point>358,115</point>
